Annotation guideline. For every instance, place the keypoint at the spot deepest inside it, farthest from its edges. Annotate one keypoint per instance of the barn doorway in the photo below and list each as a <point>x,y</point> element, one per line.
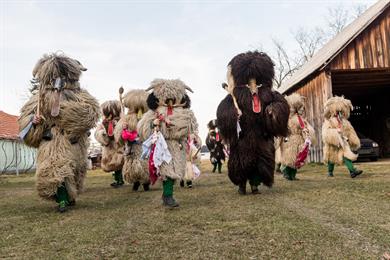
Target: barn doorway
<point>369,91</point>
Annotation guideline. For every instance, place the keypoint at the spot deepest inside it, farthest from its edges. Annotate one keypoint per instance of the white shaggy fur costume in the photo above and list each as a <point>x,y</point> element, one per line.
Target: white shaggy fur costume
<point>338,134</point>
<point>62,140</point>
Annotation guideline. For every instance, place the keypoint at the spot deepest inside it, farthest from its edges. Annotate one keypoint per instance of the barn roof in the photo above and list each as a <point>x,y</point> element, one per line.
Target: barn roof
<point>330,50</point>
<point>9,128</point>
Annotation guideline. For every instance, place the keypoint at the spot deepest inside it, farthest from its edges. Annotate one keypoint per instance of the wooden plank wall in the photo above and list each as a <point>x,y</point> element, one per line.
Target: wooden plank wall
<point>317,91</point>
<point>371,49</point>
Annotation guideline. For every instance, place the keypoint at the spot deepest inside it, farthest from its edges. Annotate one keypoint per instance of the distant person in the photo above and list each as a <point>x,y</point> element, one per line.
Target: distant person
<point>249,118</point>
<point>57,120</point>
<point>339,136</point>
<point>215,146</point>
<point>112,153</point>
<point>295,148</point>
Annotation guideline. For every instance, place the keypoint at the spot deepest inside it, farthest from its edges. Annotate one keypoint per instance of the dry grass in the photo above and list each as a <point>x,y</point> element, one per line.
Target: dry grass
<point>313,218</point>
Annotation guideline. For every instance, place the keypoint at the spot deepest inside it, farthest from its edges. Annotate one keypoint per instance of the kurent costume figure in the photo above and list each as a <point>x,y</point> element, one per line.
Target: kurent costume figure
<point>249,118</point>
<point>193,160</point>
<point>57,119</point>
<point>294,149</point>
<point>339,136</point>
<point>215,146</point>
<point>165,129</point>
<point>135,170</point>
<point>112,152</point>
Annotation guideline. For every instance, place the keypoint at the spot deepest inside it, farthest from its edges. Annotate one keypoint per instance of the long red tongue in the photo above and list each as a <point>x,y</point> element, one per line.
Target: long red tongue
<point>217,137</point>
<point>301,123</point>
<point>110,128</point>
<point>170,111</point>
<point>256,103</point>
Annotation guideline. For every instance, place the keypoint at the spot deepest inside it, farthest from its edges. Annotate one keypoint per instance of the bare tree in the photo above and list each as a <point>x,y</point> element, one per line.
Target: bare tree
<point>339,17</point>
<point>310,40</point>
<point>285,65</point>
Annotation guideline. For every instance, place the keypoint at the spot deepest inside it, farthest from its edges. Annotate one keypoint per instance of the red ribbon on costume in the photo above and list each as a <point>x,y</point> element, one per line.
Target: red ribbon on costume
<point>169,110</point>
<point>152,168</point>
<point>217,137</point>
<point>301,122</point>
<point>302,155</point>
<point>256,103</point>
<point>129,135</point>
<point>110,130</point>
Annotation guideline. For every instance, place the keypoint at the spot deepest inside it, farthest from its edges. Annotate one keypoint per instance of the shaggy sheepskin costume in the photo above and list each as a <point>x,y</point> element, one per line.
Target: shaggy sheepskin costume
<point>339,136</point>
<point>67,113</point>
<point>135,170</point>
<point>112,152</point>
<point>172,121</point>
<point>295,147</point>
<point>250,128</point>
<point>193,160</point>
<point>215,146</point>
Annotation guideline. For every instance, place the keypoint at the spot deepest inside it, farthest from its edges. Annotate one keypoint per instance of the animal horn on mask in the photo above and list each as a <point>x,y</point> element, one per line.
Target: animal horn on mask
<point>189,89</point>
<point>149,88</point>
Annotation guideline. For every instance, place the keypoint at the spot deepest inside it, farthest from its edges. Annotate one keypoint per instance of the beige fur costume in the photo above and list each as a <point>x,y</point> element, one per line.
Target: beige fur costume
<point>112,152</point>
<point>338,144</point>
<point>62,155</point>
<point>134,169</point>
<point>290,146</point>
<point>181,123</point>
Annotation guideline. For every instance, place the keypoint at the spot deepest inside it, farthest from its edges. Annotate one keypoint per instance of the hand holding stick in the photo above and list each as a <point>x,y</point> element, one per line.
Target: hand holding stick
<point>121,90</point>
<point>225,86</point>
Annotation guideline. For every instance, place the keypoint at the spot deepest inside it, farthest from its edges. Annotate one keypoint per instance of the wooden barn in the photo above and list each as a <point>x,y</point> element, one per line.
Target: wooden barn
<point>356,64</point>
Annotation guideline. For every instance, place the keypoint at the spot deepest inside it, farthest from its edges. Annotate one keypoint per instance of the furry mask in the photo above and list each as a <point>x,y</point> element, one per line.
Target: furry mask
<point>336,105</point>
<point>56,65</point>
<point>111,108</point>
<point>135,101</point>
<point>251,65</point>
<point>168,93</point>
<point>296,103</point>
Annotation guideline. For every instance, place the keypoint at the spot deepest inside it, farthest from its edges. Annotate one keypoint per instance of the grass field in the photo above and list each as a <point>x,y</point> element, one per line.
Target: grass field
<point>313,218</point>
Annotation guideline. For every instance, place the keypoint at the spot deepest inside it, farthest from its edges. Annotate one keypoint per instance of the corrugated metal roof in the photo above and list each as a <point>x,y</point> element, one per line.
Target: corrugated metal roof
<point>327,53</point>
<point>9,128</point>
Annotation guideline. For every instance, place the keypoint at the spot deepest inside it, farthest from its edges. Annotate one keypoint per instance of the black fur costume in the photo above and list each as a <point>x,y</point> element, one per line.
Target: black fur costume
<point>217,155</point>
<point>252,154</point>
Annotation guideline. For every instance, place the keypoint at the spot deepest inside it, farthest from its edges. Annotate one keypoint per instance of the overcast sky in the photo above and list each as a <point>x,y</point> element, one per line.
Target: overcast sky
<point>130,43</point>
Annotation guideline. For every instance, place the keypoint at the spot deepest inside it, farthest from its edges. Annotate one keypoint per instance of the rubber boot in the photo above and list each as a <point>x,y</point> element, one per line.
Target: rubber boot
<point>182,183</point>
<point>215,167</point>
<point>189,184</point>
<point>355,173</point>
<point>170,202</point>
<point>220,167</point>
<point>287,173</point>
<point>294,174</point>
<point>167,197</point>
<point>120,178</point>
<point>115,183</point>
<point>146,186</point>
<point>62,197</point>
<point>242,188</point>
<point>330,169</point>
<point>136,185</point>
